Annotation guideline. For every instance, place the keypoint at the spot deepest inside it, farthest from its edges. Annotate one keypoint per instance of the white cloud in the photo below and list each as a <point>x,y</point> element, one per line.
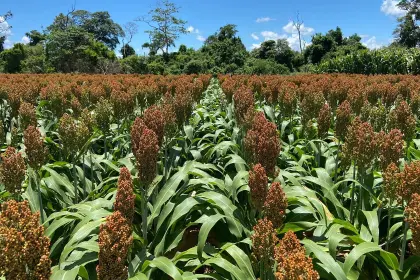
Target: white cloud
<point>290,28</point>
<point>255,46</point>
<point>25,40</point>
<point>264,19</point>
<point>8,44</point>
<point>371,43</point>
<point>4,27</point>
<point>270,35</point>
<point>389,7</point>
<point>201,38</point>
<point>254,36</point>
<point>191,29</point>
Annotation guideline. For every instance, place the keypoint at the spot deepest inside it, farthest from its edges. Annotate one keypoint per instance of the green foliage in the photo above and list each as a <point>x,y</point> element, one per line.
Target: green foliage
<point>156,67</point>
<point>35,37</point>
<point>12,58</point>
<point>74,50</point>
<point>34,61</point>
<point>127,51</point>
<point>193,67</point>
<point>330,45</point>
<point>98,24</point>
<point>392,60</point>
<point>225,49</point>
<point>264,67</point>
<point>134,65</point>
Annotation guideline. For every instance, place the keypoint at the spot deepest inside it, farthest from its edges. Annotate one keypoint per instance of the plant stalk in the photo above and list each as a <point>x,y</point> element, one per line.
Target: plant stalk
<point>403,246</point>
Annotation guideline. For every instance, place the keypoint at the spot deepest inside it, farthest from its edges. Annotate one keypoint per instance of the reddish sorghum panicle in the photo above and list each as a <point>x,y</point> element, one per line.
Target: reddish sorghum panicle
<point>76,107</point>
<point>310,105</point>
<point>115,239</point>
<point>409,181</point>
<point>413,217</point>
<point>403,119</point>
<point>136,132</point>
<point>244,102</point>
<point>324,121</point>
<point>154,120</point>
<point>123,104</point>
<point>264,240</point>
<point>87,119</point>
<point>343,120</point>
<point>12,170</point>
<point>262,143</point>
<point>146,155</point>
<point>27,115</point>
<point>35,150</point>
<point>124,200</point>
<point>390,148</point>
<point>361,143</point>
<point>390,182</point>
<point>291,260</point>
<point>275,205</point>
<point>258,183</point>
<point>24,250</point>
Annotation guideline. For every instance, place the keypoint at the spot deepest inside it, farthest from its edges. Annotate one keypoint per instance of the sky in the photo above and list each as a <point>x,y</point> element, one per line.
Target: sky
<point>257,21</point>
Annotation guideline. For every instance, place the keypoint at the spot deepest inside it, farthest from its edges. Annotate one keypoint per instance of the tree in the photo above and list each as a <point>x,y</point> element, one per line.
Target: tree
<point>2,40</point>
<point>12,58</point>
<point>298,25</point>
<point>99,24</point>
<point>225,49</point>
<point>130,29</point>
<point>408,32</point>
<point>75,50</point>
<point>127,50</point>
<point>165,27</point>
<point>103,28</point>
<point>35,37</point>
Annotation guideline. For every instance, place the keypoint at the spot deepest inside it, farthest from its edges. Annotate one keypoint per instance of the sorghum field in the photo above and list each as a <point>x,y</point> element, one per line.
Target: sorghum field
<point>201,177</point>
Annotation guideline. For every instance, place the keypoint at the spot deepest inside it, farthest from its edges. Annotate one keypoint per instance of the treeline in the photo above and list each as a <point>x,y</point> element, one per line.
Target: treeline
<point>85,42</point>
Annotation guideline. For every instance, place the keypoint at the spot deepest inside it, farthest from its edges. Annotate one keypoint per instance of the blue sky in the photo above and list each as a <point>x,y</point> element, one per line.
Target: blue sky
<point>256,21</point>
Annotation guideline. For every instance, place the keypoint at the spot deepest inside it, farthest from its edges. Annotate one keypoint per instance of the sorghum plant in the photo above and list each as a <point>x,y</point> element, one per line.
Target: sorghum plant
<point>124,199</point>
<point>12,170</point>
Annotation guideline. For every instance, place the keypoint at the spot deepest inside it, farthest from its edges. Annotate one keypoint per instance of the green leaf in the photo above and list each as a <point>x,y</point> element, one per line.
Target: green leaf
<point>166,266</point>
<point>58,274</point>
<point>327,261</point>
<point>228,208</point>
<point>139,276</point>
<point>204,232</point>
<point>372,219</point>
<point>357,252</point>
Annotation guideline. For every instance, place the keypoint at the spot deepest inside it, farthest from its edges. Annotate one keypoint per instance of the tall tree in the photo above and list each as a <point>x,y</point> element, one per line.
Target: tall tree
<point>165,27</point>
<point>226,49</point>
<point>298,23</point>
<point>407,32</point>
<point>130,29</point>
<point>99,24</point>
<point>35,37</point>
